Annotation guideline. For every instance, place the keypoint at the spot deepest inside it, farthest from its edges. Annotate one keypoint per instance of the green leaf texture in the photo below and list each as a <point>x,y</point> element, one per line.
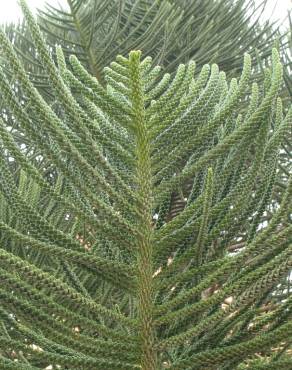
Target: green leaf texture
<point>97,268</point>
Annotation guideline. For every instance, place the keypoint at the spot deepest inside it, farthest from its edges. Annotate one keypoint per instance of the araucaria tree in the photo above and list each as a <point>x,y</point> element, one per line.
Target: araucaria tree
<point>147,248</point>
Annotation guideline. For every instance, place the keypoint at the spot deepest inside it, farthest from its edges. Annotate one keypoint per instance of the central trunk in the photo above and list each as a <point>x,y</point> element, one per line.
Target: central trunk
<point>144,225</point>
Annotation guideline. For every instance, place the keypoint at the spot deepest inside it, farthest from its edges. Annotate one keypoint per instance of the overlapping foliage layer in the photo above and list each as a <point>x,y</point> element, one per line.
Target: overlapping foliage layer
<point>172,32</point>
<point>99,270</point>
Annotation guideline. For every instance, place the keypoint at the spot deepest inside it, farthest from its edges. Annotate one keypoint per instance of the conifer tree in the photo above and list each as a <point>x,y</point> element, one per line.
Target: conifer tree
<point>172,32</point>
<point>100,267</point>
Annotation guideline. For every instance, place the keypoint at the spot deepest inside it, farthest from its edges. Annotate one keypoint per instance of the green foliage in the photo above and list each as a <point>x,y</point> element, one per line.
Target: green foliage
<point>172,32</point>
<point>98,269</point>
